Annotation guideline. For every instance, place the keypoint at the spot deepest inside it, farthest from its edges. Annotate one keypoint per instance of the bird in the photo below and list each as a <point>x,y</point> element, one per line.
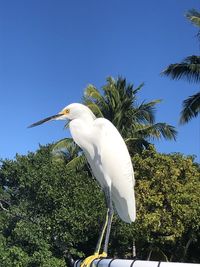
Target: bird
<point>110,162</point>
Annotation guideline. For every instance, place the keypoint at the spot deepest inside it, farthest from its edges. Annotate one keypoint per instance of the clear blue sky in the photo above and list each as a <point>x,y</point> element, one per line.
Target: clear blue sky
<point>51,50</point>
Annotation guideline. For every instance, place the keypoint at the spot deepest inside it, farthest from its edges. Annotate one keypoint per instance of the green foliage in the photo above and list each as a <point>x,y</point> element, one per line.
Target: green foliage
<point>46,214</point>
<point>168,203</point>
<point>48,209</point>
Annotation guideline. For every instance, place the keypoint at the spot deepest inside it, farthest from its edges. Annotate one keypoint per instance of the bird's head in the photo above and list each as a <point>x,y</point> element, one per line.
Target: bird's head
<point>70,112</point>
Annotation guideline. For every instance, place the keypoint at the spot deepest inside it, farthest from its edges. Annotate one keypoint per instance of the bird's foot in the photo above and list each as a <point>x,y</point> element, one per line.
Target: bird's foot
<point>88,260</point>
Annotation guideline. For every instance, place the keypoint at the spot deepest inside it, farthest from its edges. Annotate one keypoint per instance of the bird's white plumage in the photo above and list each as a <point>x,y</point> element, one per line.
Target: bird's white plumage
<point>108,157</point>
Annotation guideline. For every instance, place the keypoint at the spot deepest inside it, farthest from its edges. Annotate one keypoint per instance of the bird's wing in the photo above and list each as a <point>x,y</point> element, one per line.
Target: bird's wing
<point>116,166</point>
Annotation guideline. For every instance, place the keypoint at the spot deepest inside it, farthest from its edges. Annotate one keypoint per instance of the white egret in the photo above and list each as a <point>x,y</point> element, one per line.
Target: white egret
<point>109,159</point>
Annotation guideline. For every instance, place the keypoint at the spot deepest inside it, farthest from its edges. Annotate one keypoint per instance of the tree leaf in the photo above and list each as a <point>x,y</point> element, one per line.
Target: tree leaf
<point>191,108</point>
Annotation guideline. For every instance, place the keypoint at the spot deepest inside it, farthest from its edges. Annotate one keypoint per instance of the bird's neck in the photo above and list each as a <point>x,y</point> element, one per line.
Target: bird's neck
<point>81,130</point>
<point>86,119</point>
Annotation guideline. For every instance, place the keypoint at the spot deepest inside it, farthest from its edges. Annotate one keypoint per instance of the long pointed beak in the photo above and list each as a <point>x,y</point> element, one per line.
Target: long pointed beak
<point>45,120</point>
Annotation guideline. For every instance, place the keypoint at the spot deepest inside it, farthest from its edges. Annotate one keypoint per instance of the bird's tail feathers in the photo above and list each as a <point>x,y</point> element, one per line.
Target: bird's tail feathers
<point>125,209</point>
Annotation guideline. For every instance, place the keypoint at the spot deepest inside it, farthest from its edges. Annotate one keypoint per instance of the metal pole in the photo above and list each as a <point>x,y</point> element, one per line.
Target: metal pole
<point>134,263</point>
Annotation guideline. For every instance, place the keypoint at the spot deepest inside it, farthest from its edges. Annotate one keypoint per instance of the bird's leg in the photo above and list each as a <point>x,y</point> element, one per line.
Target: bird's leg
<point>107,224</point>
<point>110,217</point>
<point>96,255</point>
<point>98,246</point>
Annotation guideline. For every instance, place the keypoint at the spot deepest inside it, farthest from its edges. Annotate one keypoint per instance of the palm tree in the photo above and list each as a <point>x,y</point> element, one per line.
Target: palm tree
<point>66,150</point>
<point>188,69</point>
<point>136,122</point>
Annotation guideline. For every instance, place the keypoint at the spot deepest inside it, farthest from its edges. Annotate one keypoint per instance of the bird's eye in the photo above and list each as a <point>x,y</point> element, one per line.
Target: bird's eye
<point>66,111</point>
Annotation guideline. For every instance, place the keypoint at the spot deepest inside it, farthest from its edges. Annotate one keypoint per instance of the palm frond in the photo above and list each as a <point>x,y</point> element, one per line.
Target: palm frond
<point>65,148</point>
<point>66,143</point>
<point>68,152</point>
<point>77,163</point>
<point>188,69</point>
<point>134,91</point>
<point>92,92</point>
<point>145,112</point>
<point>194,16</point>
<point>59,156</point>
<point>157,131</point>
<point>93,96</point>
<point>191,108</point>
<point>167,131</point>
<point>94,107</point>
<point>111,93</point>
